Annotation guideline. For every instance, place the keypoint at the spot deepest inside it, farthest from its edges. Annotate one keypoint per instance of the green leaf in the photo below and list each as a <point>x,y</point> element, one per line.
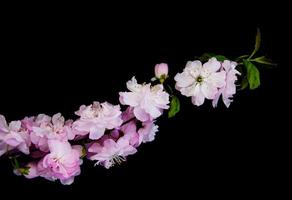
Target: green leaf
<point>264,60</point>
<point>257,43</point>
<point>244,83</point>
<point>174,107</point>
<point>253,75</point>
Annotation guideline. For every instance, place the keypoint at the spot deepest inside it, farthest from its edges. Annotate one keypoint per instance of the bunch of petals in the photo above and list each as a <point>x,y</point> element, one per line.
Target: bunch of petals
<point>44,128</point>
<point>33,131</point>
<point>109,135</point>
<point>95,119</point>
<point>208,81</point>
<point>114,148</point>
<point>61,163</point>
<point>13,136</point>
<point>229,89</point>
<point>46,139</point>
<point>148,102</point>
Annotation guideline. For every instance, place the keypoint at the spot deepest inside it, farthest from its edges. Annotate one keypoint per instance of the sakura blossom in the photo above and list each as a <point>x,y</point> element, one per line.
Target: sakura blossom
<point>148,102</point>
<point>200,81</point>
<point>130,133</point>
<point>63,162</point>
<point>95,119</point>
<point>45,127</point>
<point>111,152</point>
<point>229,89</point>
<point>148,131</point>
<point>12,136</point>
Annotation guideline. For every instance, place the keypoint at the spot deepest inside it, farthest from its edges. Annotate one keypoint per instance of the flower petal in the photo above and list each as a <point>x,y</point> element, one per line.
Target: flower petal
<point>213,65</point>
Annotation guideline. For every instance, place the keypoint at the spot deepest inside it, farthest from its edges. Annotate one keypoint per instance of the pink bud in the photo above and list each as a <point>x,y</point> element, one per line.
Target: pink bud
<point>160,70</point>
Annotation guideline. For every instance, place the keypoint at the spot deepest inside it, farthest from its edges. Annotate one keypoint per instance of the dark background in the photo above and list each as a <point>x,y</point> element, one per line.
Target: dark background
<point>53,61</point>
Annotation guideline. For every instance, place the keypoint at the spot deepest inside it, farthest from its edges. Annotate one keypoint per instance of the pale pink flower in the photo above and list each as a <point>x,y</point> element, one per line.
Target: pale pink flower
<point>63,162</point>
<point>45,128</point>
<point>130,133</point>
<point>229,89</point>
<point>147,132</point>
<point>12,136</point>
<point>71,132</point>
<point>27,123</point>
<point>96,118</point>
<point>200,81</point>
<point>111,152</point>
<point>39,130</point>
<point>129,128</point>
<point>161,70</point>
<point>147,101</point>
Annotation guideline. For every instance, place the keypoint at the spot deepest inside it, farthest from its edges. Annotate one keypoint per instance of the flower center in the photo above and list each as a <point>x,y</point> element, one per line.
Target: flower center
<point>199,79</point>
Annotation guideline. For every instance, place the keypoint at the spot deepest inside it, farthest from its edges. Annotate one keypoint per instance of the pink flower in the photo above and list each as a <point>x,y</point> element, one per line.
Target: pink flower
<point>144,134</point>
<point>229,89</point>
<point>27,123</point>
<point>111,152</point>
<point>130,133</point>
<point>161,70</point>
<point>70,131</point>
<point>96,118</point>
<point>63,162</point>
<point>200,81</point>
<point>147,102</point>
<point>40,127</point>
<point>147,132</point>
<point>13,136</point>
<point>45,128</point>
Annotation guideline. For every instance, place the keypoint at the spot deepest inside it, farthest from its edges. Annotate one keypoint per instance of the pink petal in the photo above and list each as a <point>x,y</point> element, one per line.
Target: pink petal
<point>140,114</point>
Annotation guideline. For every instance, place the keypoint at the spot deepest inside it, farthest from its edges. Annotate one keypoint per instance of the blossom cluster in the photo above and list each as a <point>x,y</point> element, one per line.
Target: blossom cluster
<point>107,133</point>
<point>208,81</point>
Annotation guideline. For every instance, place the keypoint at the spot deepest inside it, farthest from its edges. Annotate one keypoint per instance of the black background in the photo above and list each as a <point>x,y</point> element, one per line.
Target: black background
<point>53,61</point>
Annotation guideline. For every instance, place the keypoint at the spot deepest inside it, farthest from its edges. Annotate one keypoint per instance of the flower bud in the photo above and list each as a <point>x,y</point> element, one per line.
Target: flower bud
<point>161,70</point>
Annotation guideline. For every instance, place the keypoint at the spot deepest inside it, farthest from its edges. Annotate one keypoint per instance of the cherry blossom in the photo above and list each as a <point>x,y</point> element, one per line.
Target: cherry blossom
<point>95,119</point>
<point>12,136</point>
<point>148,102</point>
<point>63,162</point>
<point>111,152</point>
<point>200,81</point>
<point>229,89</point>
